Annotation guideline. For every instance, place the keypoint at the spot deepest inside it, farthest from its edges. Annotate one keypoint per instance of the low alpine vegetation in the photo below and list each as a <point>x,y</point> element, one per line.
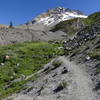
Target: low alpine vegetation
<point>67,26</point>
<point>64,84</point>
<point>95,54</point>
<point>19,61</point>
<point>61,86</point>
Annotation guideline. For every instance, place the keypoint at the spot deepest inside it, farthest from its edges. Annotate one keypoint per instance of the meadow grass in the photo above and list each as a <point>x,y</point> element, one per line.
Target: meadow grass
<point>24,59</point>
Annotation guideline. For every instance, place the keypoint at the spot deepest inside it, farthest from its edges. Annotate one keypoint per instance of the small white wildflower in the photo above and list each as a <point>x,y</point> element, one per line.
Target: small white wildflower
<point>7,57</point>
<point>60,48</point>
<point>88,58</point>
<point>2,64</point>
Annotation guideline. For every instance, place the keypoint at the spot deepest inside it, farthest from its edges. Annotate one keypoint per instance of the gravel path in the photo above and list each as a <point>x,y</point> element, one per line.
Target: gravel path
<point>84,83</point>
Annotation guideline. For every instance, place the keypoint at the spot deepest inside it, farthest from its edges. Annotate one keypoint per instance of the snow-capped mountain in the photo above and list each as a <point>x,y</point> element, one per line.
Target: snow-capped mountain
<point>56,15</point>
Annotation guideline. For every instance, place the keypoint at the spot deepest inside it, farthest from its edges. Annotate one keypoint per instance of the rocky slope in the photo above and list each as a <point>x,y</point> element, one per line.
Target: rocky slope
<point>17,35</point>
<point>75,76</point>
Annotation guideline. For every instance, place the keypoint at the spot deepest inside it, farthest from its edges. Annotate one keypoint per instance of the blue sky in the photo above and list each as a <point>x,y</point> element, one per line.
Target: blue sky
<point>21,11</point>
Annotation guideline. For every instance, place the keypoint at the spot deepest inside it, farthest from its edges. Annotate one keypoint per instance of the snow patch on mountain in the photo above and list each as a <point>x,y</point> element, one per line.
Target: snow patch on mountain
<point>64,16</point>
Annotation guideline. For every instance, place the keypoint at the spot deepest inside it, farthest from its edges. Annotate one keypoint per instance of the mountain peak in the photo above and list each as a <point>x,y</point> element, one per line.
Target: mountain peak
<point>56,15</point>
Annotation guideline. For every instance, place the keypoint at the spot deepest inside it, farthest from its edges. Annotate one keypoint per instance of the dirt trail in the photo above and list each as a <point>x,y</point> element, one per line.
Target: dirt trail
<point>83,82</point>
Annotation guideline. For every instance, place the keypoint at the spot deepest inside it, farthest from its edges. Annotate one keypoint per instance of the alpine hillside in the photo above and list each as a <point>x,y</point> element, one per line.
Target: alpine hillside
<point>55,56</point>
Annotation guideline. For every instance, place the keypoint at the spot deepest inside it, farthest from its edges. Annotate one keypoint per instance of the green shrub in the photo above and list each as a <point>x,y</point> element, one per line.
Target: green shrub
<point>63,84</point>
<point>93,18</point>
<point>57,63</point>
<point>95,55</point>
<point>98,70</point>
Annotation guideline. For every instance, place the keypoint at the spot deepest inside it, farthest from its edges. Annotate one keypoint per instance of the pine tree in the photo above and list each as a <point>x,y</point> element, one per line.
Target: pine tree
<point>11,25</point>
